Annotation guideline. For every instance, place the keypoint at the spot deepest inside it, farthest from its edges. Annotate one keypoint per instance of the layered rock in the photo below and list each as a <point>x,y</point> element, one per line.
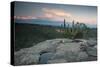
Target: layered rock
<point>57,51</point>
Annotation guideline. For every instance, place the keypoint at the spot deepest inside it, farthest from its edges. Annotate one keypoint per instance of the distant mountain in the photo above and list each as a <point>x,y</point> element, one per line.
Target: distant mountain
<point>47,22</point>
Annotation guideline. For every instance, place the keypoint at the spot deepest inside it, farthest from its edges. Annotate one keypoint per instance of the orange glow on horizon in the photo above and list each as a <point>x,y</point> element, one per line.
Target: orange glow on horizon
<point>59,15</point>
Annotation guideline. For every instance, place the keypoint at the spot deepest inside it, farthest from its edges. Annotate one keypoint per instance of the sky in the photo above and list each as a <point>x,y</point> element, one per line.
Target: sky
<point>56,12</point>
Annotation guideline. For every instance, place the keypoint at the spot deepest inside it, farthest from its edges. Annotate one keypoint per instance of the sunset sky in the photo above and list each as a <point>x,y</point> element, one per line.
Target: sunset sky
<point>55,12</point>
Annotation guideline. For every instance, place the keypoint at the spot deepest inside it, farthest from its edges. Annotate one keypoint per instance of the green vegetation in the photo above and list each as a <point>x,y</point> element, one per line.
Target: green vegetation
<point>27,35</point>
<point>78,30</point>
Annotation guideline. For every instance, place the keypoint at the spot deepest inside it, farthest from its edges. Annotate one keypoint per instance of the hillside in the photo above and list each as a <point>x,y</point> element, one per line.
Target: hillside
<point>27,35</point>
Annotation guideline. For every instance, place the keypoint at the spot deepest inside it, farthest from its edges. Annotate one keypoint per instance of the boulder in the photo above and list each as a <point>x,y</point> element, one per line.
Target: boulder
<point>57,61</point>
<point>45,57</point>
<point>91,42</point>
<point>57,51</point>
<point>25,59</point>
<point>92,51</point>
<point>67,51</point>
<point>69,47</point>
<point>82,56</point>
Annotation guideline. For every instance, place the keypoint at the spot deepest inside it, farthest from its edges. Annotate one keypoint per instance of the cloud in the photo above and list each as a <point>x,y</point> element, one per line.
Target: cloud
<point>55,14</point>
<point>24,17</point>
<point>86,20</point>
<point>59,15</point>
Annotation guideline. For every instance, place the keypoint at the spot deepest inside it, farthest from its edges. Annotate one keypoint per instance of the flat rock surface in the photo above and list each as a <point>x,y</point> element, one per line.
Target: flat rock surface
<point>57,51</point>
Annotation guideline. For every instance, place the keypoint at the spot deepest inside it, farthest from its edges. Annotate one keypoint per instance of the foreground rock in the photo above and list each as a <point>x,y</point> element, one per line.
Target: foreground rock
<point>57,51</point>
<point>57,61</point>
